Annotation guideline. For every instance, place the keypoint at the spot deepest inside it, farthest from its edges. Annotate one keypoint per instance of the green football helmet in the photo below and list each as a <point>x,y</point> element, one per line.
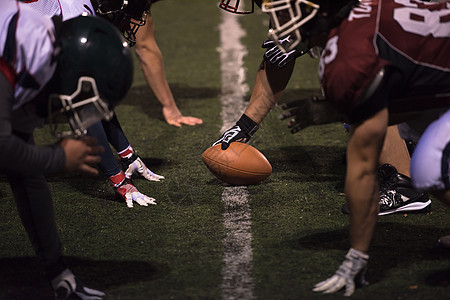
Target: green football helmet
<point>93,74</point>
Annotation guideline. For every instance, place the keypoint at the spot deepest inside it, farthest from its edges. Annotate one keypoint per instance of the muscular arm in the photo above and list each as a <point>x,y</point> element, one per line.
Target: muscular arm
<point>270,84</point>
<point>15,154</point>
<point>152,65</point>
<point>361,188</point>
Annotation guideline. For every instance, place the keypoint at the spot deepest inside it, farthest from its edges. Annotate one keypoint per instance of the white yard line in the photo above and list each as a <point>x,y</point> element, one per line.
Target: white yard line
<point>237,280</point>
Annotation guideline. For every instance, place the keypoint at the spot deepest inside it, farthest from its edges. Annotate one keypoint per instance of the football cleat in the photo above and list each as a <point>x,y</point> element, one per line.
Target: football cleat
<point>397,193</point>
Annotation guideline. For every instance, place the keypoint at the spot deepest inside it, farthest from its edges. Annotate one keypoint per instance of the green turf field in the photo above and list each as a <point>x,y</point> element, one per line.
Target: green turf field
<point>174,250</point>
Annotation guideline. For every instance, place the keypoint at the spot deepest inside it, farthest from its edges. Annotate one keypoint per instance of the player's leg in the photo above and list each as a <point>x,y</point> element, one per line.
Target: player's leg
<point>123,187</point>
<point>130,161</point>
<point>35,207</point>
<point>397,193</point>
<point>108,164</point>
<point>115,135</point>
<point>395,152</point>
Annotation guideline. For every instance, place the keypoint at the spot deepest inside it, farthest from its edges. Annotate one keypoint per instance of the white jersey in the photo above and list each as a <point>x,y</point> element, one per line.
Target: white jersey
<point>26,49</point>
<point>68,9</point>
<point>430,162</point>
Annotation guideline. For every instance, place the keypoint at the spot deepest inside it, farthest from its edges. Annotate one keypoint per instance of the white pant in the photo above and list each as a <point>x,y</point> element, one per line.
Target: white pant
<point>430,162</point>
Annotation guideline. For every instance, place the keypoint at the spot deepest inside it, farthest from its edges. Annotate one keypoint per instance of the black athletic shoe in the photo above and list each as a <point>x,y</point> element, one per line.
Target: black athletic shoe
<point>397,193</point>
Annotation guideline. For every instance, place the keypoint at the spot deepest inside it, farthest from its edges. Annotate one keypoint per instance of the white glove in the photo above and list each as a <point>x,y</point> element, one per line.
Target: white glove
<point>352,270</point>
<point>130,193</point>
<point>66,284</point>
<point>138,166</point>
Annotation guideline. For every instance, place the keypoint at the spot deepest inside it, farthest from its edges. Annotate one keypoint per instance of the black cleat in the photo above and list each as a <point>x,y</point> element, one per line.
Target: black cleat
<point>397,193</point>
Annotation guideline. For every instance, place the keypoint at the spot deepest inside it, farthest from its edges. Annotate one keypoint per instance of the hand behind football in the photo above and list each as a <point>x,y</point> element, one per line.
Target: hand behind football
<point>242,132</point>
<point>82,153</point>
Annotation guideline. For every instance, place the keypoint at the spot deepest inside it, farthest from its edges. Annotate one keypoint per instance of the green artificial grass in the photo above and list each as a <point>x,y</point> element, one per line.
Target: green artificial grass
<point>174,250</point>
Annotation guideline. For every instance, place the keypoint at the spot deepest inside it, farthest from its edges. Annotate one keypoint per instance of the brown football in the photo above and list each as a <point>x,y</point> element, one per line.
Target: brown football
<point>240,164</point>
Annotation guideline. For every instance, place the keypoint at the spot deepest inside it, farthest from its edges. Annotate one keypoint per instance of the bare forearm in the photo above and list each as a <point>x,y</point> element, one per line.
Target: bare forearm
<point>361,188</point>
<point>362,196</point>
<point>269,87</point>
<point>152,65</point>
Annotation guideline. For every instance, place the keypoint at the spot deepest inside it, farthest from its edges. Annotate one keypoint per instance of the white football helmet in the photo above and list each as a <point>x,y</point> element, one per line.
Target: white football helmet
<point>304,20</point>
<point>233,6</point>
<point>287,16</point>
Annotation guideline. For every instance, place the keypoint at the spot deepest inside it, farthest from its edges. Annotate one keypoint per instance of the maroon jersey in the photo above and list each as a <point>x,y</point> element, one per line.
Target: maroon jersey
<point>411,35</point>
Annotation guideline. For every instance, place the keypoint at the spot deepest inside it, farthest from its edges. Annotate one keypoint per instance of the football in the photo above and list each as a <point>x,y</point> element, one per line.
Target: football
<point>240,164</point>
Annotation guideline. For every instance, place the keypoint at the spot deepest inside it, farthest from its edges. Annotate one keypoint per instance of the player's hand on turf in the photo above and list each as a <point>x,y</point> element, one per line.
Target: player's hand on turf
<point>315,110</point>
<point>67,286</point>
<point>81,153</point>
<point>275,56</point>
<point>130,194</point>
<point>173,116</point>
<point>351,272</point>
<point>136,165</point>
<point>241,132</point>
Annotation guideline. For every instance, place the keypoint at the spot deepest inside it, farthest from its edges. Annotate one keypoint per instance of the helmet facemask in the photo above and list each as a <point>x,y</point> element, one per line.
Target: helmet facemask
<point>233,6</point>
<point>82,109</point>
<point>287,16</point>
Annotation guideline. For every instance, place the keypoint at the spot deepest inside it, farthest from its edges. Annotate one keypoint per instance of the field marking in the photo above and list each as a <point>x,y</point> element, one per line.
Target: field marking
<point>237,280</point>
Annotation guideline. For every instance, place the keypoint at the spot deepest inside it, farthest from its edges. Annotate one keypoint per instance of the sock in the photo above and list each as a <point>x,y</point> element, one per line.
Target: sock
<point>127,153</point>
<point>118,179</point>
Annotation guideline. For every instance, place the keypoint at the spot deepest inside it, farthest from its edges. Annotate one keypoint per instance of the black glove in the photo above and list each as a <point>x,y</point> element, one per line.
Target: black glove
<point>315,110</point>
<point>241,132</point>
<point>275,56</point>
